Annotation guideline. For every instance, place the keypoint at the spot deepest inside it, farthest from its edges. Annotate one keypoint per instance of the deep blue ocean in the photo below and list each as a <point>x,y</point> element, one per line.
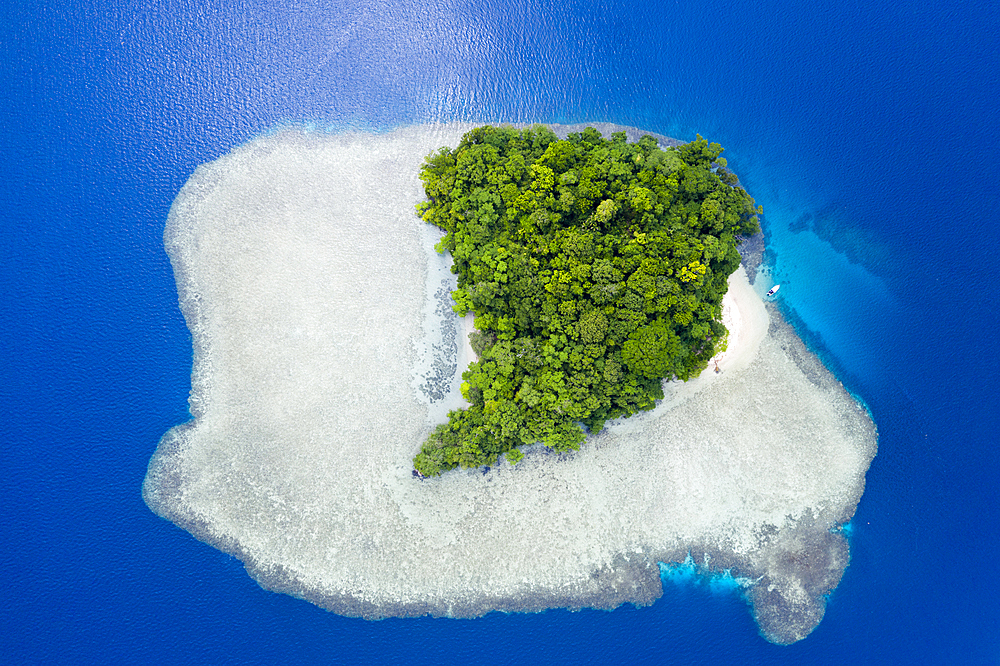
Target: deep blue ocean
<point>867,130</point>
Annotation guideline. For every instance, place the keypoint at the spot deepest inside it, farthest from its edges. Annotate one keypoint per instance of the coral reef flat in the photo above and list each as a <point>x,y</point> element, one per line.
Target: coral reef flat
<point>323,357</point>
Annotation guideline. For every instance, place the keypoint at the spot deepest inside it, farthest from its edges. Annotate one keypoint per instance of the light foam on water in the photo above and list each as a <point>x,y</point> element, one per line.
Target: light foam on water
<point>321,354</point>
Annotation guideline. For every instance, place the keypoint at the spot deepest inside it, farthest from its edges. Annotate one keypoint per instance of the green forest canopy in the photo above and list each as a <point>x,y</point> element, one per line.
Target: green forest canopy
<point>595,268</point>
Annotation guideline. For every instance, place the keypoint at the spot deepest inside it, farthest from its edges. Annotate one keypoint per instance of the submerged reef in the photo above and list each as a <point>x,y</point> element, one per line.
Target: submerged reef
<point>323,356</point>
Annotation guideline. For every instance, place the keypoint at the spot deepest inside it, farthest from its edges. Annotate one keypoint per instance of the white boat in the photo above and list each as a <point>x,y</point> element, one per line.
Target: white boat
<point>774,290</point>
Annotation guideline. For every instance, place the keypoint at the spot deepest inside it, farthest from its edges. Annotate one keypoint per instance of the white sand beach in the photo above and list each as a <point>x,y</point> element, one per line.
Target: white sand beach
<point>745,318</point>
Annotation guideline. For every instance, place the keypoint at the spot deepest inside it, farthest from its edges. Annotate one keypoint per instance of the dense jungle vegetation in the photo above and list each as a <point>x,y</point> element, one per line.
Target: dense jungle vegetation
<point>595,268</point>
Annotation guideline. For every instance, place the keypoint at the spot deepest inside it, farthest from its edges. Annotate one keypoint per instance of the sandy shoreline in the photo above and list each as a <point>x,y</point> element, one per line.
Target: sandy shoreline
<point>745,318</point>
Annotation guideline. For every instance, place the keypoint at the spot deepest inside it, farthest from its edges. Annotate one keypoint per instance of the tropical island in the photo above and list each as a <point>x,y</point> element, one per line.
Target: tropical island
<point>595,268</point>
<point>326,352</point>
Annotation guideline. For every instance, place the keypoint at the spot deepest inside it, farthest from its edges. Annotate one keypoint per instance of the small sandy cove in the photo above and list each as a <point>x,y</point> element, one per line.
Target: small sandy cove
<point>743,314</point>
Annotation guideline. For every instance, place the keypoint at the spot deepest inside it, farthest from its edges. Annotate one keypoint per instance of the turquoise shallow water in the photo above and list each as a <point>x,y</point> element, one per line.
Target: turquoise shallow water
<point>864,131</point>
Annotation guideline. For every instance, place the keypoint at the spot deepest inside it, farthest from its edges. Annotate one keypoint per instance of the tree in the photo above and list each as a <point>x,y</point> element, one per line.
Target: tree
<point>653,351</point>
<point>595,269</point>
